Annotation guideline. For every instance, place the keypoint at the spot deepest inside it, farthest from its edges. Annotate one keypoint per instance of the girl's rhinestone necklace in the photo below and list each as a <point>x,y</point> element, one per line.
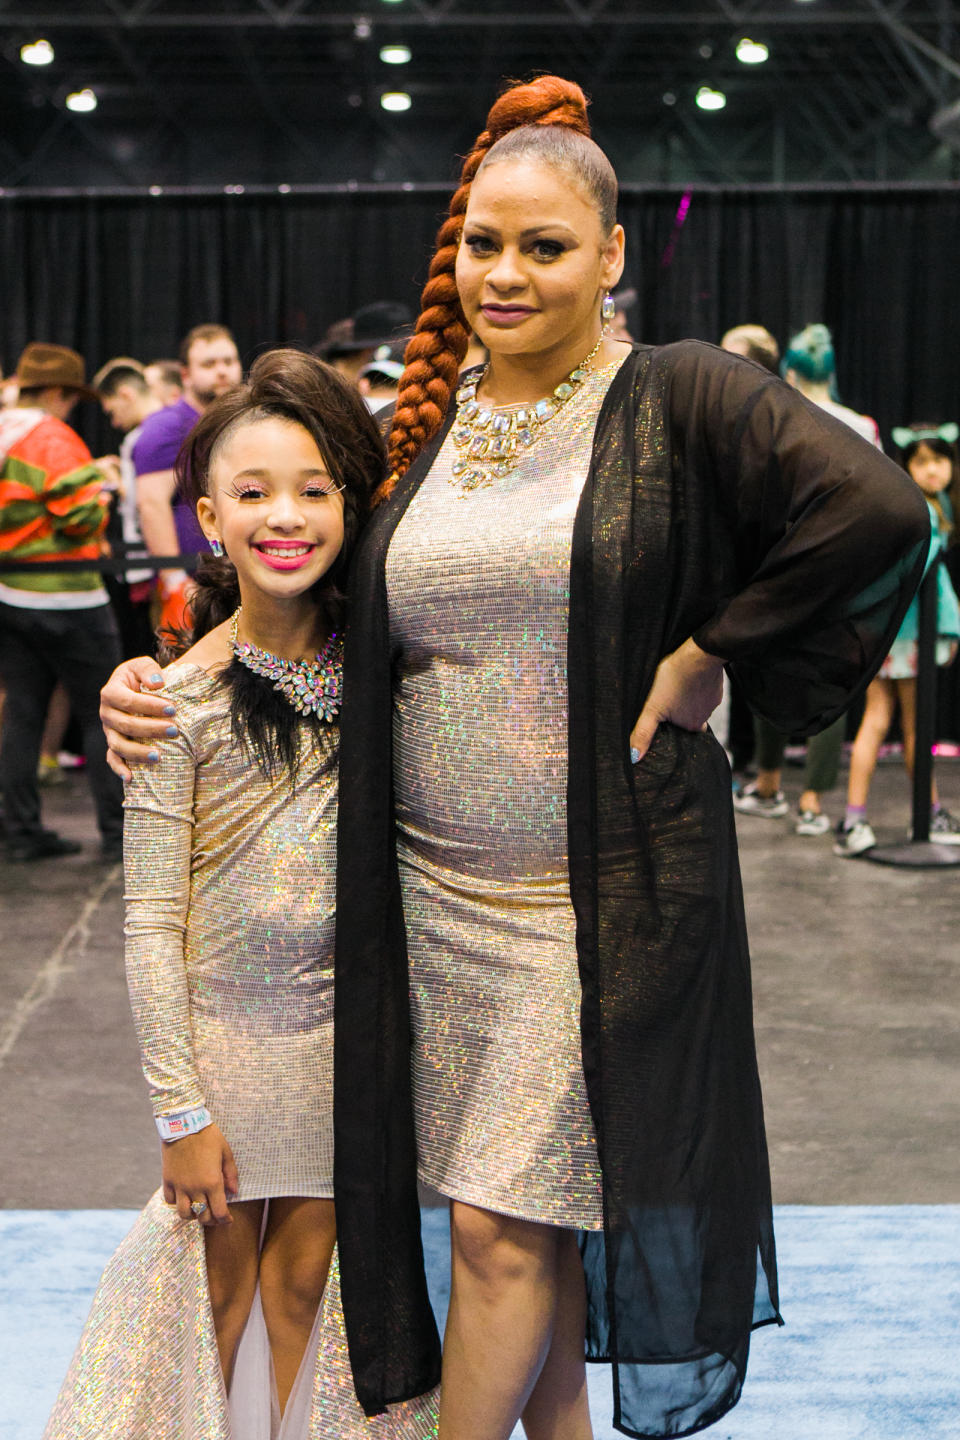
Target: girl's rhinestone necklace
<point>491,443</point>
<point>312,687</point>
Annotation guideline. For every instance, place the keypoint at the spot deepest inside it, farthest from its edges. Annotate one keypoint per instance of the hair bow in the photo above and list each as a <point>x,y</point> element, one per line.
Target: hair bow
<point>904,435</point>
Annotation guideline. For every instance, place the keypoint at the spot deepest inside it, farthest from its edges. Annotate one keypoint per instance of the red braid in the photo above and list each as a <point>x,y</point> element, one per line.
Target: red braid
<point>435,353</point>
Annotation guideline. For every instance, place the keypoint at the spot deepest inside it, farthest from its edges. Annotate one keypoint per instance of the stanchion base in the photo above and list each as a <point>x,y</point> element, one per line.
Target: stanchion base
<point>914,854</point>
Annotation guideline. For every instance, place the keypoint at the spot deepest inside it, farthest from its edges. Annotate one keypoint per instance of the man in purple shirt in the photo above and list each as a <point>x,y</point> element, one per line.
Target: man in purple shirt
<point>210,366</point>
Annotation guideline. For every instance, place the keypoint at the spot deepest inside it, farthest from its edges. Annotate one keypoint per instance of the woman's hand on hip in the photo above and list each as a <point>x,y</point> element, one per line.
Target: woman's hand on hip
<point>132,718</point>
<point>200,1169</point>
<point>686,689</point>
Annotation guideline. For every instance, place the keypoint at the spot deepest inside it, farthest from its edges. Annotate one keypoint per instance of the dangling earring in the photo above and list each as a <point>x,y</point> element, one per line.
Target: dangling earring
<point>216,547</point>
<point>607,309</point>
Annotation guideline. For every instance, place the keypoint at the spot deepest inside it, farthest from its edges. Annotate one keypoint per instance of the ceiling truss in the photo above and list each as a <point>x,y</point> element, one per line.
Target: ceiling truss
<point>221,94</point>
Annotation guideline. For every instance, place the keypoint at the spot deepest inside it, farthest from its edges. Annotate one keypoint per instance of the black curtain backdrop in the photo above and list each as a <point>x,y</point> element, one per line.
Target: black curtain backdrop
<point>130,274</point>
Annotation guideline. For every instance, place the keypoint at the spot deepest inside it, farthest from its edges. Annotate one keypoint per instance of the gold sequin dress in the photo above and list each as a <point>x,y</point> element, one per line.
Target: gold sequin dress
<point>230,917</point>
<point>230,905</point>
<point>478,592</point>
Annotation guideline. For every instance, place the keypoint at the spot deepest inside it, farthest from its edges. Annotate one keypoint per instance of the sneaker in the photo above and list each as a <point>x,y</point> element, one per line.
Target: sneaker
<point>43,846</point>
<point>49,772</point>
<point>811,822</point>
<point>944,828</point>
<point>751,802</point>
<point>855,840</point>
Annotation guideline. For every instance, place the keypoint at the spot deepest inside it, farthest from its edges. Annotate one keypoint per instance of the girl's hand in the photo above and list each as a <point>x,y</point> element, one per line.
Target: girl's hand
<point>686,689</point>
<point>200,1167</point>
<point>132,718</point>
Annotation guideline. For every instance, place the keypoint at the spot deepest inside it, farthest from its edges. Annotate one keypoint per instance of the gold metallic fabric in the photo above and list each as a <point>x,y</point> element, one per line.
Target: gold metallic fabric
<point>147,1367</point>
<point>229,940</point>
<point>478,590</point>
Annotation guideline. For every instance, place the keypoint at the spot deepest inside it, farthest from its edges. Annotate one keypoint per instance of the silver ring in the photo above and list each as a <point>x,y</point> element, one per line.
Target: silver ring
<point>197,1207</point>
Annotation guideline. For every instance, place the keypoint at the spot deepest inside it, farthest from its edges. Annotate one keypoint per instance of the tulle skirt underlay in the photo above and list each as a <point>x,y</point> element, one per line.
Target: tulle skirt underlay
<point>146,1366</point>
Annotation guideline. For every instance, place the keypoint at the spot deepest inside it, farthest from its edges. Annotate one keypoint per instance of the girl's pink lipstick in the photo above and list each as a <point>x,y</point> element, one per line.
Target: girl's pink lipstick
<point>284,554</point>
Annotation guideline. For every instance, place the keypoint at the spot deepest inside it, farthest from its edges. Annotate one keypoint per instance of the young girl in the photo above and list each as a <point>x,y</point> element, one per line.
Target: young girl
<point>929,455</point>
<point>205,1315</point>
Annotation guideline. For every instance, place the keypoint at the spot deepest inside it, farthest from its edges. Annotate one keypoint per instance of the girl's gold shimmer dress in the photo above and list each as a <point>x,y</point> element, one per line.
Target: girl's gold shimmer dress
<point>230,916</point>
<point>478,591</point>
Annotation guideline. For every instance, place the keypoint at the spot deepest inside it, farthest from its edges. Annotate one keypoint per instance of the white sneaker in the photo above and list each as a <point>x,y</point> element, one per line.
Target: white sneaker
<point>751,802</point>
<point>811,822</point>
<point>855,840</point>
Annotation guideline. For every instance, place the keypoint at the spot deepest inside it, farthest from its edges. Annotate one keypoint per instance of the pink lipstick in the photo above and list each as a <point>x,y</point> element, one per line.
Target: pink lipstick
<point>506,314</point>
<point>284,554</point>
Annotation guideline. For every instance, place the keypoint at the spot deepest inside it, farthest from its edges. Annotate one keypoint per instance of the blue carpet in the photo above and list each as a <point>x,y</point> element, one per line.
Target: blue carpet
<point>871,1296</point>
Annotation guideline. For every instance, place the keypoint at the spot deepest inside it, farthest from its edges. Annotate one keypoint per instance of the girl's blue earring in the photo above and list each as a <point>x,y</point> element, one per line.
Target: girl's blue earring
<point>608,309</point>
<point>216,547</point>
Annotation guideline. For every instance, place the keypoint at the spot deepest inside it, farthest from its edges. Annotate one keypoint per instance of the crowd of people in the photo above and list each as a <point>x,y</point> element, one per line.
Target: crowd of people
<point>443,885</point>
<point>154,405</point>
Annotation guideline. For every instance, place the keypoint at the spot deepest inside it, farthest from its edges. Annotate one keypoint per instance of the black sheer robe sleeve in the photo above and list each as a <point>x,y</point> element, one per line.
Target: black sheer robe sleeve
<point>805,509</point>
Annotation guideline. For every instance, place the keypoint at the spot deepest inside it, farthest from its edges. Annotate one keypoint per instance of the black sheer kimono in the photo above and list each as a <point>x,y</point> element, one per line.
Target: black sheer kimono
<point>719,504</point>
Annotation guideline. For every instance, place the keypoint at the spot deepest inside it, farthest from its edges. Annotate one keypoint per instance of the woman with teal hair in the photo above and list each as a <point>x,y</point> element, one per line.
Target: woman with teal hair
<point>808,364</point>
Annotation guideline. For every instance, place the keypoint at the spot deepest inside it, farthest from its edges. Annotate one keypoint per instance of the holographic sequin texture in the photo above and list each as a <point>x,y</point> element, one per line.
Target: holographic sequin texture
<point>478,589</point>
<point>147,1368</point>
<point>229,940</point>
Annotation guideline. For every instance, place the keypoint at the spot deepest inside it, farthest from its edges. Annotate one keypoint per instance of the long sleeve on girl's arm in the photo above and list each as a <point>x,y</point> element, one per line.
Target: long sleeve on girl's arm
<point>158,835</point>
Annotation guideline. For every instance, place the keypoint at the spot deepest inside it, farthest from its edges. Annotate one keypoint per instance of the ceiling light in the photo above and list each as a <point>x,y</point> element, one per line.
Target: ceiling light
<point>82,101</point>
<point>752,52</point>
<point>709,99</point>
<point>395,100</point>
<point>669,97</point>
<point>395,54</point>
<point>362,30</point>
<point>40,52</point>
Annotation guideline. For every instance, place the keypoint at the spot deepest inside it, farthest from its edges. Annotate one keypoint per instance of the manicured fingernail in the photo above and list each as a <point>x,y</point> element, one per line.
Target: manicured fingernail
<point>156,679</point>
<point>153,754</point>
<point>169,709</point>
<point>171,730</point>
<point>634,755</point>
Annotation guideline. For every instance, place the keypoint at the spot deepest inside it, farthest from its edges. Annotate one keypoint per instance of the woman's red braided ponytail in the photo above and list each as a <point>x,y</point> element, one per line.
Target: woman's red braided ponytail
<point>439,343</point>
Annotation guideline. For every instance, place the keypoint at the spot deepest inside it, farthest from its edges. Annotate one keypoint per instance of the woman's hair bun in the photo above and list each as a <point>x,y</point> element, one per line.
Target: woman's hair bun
<point>548,100</point>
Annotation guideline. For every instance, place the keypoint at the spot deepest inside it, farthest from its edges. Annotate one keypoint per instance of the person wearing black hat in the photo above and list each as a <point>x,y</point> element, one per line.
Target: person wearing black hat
<point>351,344</point>
<point>54,625</point>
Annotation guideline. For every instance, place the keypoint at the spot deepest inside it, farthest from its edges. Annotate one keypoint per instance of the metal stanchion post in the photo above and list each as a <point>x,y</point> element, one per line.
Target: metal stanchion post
<point>919,851</point>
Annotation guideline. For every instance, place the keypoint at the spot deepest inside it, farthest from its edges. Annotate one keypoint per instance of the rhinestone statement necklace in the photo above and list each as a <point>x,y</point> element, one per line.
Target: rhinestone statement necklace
<point>312,687</point>
<point>491,443</point>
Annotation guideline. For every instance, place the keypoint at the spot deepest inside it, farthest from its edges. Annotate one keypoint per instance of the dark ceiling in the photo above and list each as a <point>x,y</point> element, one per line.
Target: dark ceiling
<point>268,92</point>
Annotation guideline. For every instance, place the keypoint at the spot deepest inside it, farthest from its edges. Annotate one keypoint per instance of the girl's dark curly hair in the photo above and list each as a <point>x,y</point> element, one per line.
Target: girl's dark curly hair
<point>289,385</point>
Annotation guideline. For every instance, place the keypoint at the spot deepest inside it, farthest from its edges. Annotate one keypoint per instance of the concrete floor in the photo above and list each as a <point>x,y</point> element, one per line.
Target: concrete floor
<point>857,991</point>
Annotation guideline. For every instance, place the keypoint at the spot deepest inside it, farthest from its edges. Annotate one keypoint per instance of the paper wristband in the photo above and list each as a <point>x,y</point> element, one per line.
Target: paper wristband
<point>188,1122</point>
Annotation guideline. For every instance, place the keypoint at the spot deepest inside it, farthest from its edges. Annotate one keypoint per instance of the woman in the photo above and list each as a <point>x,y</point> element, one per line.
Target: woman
<point>525,618</point>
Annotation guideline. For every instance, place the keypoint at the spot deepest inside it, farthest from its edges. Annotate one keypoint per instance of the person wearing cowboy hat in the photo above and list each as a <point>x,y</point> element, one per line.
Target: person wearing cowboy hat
<point>54,625</point>
<point>351,344</point>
